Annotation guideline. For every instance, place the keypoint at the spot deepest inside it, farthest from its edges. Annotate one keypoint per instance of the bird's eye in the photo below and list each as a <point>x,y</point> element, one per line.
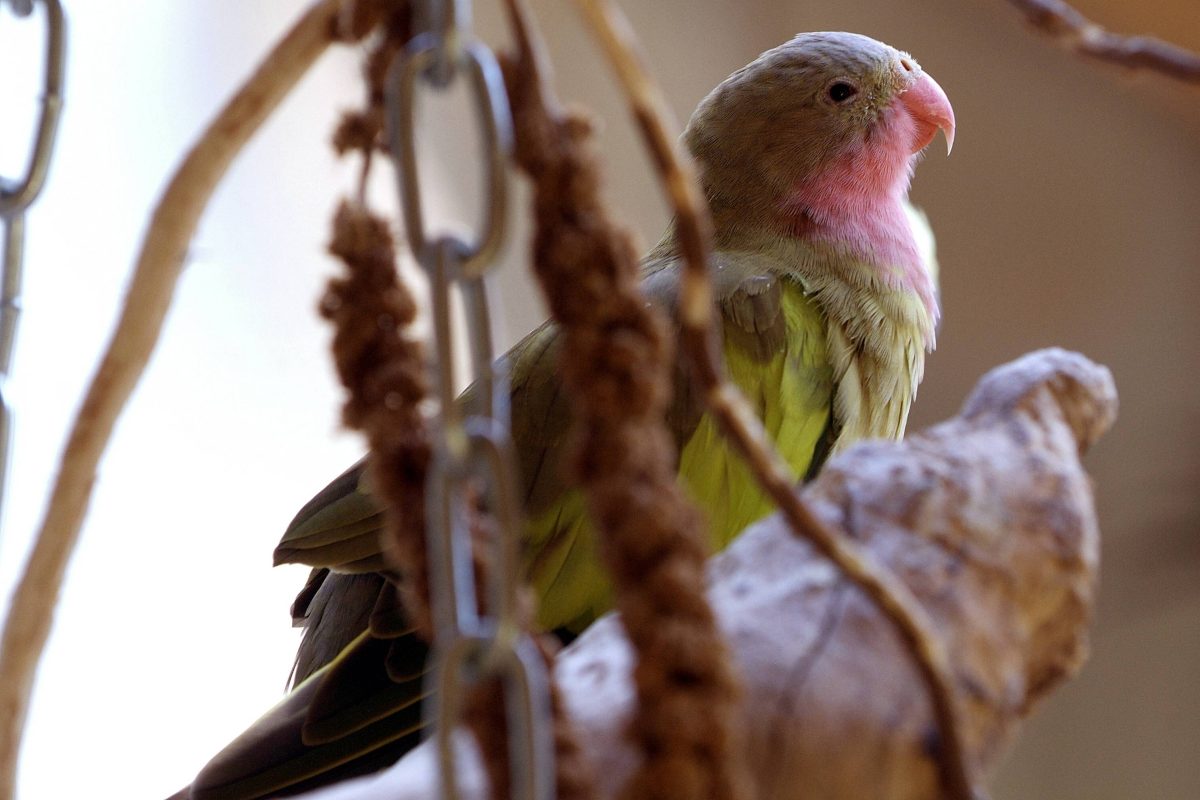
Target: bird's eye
<point>841,91</point>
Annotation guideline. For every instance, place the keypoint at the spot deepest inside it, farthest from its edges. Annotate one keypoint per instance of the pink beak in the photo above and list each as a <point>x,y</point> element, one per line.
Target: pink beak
<point>931,109</point>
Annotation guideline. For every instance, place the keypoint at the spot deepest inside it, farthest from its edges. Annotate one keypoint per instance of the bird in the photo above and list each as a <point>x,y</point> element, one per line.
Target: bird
<point>825,278</point>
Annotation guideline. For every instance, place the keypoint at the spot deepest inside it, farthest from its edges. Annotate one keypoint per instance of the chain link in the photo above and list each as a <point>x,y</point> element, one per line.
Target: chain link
<point>487,88</point>
<point>16,195</point>
<point>472,440</point>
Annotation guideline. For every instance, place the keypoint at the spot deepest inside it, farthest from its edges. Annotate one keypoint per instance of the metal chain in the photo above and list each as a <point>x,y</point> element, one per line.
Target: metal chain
<point>16,196</point>
<point>472,444</point>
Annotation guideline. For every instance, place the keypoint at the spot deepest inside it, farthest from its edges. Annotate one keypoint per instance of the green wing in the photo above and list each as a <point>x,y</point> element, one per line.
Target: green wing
<point>338,529</point>
<point>774,345</point>
<point>362,709</point>
<point>775,352</point>
<point>359,671</point>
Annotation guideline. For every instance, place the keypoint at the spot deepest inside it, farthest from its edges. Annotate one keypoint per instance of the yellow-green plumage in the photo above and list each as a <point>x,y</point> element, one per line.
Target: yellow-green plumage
<point>791,391</point>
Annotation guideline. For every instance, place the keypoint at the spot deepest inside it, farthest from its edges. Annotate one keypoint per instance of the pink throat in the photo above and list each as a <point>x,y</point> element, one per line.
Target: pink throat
<point>856,203</point>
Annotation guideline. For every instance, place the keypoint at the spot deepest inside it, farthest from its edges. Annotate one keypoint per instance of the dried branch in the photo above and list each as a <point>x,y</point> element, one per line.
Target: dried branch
<point>383,367</point>
<point>145,308</point>
<point>615,358</point>
<point>384,371</point>
<point>988,518</point>
<point>731,410</point>
<point>1060,21</point>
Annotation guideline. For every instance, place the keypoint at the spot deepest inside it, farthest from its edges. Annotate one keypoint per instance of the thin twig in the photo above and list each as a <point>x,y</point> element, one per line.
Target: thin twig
<point>1062,22</point>
<point>146,304</point>
<point>693,227</point>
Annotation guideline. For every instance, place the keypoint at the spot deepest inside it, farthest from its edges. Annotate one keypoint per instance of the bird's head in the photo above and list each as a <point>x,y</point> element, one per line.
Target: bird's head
<point>820,127</point>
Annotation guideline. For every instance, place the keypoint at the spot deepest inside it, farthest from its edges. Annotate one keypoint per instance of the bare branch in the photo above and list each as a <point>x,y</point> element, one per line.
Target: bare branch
<point>1062,22</point>
<point>145,309</point>
<point>989,518</point>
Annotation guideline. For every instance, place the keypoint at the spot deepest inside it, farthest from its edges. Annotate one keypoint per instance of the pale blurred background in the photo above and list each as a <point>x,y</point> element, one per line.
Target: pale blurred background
<point>1069,214</point>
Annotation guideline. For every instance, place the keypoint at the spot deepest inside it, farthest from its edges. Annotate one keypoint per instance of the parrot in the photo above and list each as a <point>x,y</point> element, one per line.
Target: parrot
<point>826,282</point>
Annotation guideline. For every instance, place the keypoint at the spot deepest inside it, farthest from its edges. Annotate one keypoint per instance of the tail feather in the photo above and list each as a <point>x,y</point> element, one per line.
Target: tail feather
<point>356,690</point>
<point>337,610</point>
<point>272,759</point>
